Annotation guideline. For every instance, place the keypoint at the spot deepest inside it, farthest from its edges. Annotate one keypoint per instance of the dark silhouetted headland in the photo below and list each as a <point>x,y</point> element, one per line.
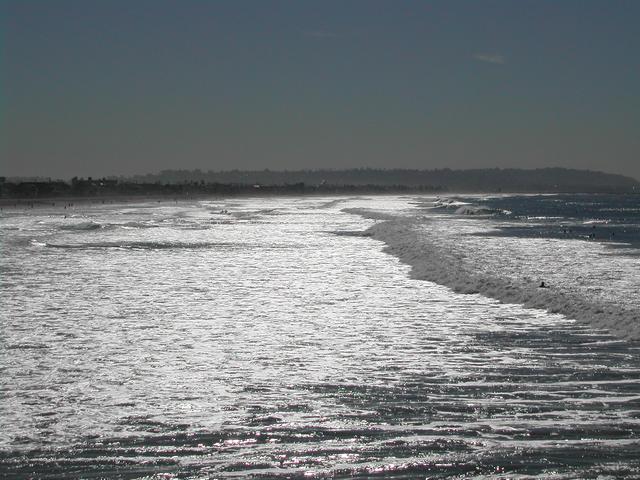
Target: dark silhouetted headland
<point>481,180</point>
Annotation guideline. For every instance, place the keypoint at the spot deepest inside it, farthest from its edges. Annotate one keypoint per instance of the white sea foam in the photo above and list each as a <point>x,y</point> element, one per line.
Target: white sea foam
<point>272,347</point>
<point>137,225</point>
<point>474,210</point>
<point>448,203</point>
<point>460,207</point>
<point>434,257</point>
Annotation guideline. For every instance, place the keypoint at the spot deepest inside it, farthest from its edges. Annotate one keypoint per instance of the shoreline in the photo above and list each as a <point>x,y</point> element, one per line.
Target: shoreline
<point>44,201</point>
<point>57,200</point>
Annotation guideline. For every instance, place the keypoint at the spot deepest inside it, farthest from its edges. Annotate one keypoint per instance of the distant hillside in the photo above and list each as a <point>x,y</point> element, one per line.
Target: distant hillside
<point>482,180</point>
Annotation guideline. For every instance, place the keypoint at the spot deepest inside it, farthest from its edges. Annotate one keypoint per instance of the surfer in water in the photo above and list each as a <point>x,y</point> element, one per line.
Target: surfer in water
<point>542,285</point>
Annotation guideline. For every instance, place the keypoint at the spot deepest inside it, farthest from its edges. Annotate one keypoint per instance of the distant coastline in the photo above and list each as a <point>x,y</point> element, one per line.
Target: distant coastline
<point>34,193</point>
<point>190,183</point>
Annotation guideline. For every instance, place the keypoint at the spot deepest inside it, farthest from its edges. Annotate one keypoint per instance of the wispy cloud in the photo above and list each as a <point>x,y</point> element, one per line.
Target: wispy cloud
<point>494,58</point>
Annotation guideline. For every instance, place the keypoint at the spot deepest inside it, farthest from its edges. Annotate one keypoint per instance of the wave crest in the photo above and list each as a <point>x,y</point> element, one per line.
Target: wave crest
<point>82,226</point>
<point>142,245</point>
<point>432,261</point>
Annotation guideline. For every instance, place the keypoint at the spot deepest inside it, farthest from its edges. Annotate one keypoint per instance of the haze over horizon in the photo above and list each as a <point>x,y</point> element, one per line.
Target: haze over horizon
<point>119,88</point>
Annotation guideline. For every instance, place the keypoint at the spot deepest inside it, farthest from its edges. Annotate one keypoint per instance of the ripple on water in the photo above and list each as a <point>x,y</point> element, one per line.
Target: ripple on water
<point>319,357</point>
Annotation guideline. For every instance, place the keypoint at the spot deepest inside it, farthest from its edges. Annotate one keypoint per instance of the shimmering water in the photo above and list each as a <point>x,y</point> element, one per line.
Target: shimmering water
<point>247,338</point>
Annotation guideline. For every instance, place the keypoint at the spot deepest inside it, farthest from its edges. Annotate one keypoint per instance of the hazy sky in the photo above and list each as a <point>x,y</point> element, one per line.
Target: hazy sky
<point>119,87</point>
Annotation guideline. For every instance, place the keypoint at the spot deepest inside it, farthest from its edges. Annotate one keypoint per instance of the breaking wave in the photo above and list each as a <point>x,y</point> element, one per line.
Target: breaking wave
<point>463,208</point>
<point>132,225</point>
<point>433,260</point>
<point>476,210</point>
<point>145,245</point>
<point>82,226</point>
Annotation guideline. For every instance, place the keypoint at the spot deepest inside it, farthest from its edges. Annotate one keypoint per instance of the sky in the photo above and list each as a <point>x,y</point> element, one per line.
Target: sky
<point>95,88</point>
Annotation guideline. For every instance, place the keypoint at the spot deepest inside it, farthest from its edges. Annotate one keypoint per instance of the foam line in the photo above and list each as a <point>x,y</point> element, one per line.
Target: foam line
<point>432,261</point>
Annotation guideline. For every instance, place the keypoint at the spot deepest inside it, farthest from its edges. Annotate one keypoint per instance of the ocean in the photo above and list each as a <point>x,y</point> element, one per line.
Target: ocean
<point>297,337</point>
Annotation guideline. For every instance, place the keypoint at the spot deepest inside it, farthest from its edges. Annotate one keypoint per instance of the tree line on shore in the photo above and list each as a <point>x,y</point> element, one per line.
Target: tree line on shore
<point>364,180</point>
<point>106,187</point>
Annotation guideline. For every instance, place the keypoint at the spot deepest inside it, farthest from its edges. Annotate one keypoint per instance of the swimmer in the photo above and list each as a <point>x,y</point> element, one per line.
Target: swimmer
<point>542,285</point>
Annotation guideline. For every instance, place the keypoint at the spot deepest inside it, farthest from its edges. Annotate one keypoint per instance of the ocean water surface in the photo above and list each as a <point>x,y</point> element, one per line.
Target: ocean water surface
<point>395,337</point>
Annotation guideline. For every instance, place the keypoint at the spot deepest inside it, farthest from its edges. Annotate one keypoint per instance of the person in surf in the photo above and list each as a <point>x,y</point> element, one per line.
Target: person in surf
<point>542,285</point>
